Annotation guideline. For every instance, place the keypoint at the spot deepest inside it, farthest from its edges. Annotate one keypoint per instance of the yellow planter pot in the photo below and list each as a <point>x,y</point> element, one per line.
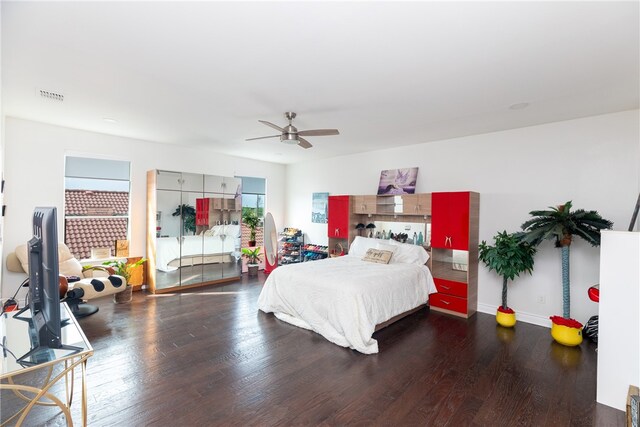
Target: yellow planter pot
<point>566,335</point>
<point>505,319</point>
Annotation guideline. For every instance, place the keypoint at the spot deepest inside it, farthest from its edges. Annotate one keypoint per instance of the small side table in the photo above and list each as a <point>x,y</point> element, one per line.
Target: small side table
<point>15,336</point>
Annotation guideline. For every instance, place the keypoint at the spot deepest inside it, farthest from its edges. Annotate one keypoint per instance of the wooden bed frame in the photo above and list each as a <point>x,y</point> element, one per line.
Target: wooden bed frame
<point>399,317</point>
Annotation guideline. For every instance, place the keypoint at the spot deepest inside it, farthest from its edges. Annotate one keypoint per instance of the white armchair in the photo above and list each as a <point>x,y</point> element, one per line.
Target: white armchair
<point>77,286</point>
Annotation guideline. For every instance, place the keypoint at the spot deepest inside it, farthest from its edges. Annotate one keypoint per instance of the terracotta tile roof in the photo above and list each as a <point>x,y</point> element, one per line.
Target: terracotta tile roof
<point>82,234</point>
<point>86,202</point>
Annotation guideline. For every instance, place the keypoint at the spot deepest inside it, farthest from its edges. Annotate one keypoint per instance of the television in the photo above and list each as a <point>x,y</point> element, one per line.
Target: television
<point>45,322</point>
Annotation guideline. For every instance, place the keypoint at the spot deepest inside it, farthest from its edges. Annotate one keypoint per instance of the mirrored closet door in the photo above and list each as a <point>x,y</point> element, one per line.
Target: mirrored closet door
<point>194,229</point>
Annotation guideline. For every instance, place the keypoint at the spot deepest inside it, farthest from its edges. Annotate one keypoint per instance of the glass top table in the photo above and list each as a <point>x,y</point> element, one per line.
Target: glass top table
<point>16,343</point>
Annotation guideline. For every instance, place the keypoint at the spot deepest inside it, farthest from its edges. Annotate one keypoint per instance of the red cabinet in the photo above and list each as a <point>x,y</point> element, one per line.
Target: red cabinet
<point>338,221</point>
<point>454,252</point>
<point>202,211</point>
<point>450,220</point>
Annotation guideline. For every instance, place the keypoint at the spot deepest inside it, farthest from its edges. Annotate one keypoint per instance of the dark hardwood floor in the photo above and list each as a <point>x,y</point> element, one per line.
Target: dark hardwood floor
<point>208,357</point>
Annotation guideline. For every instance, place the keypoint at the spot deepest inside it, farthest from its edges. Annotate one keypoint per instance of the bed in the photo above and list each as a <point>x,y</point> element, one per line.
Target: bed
<point>218,246</point>
<point>345,298</point>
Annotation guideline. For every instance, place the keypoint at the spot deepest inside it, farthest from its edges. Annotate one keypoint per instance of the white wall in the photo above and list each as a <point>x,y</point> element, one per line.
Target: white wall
<point>1,145</point>
<point>34,175</point>
<point>618,332</point>
<point>591,161</point>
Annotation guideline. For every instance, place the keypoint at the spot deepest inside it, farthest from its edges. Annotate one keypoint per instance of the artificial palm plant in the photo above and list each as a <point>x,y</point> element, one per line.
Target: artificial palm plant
<point>509,257</point>
<point>561,224</point>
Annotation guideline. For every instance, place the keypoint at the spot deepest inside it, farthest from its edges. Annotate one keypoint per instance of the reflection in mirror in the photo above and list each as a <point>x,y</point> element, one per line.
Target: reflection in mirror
<point>188,213</point>
<point>168,237</point>
<point>450,264</point>
<point>197,229</point>
<point>192,182</point>
<point>460,260</point>
<point>167,225</point>
<point>417,232</point>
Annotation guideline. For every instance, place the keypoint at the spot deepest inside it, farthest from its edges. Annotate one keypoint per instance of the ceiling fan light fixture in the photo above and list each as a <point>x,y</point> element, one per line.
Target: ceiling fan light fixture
<point>289,138</point>
<point>290,134</point>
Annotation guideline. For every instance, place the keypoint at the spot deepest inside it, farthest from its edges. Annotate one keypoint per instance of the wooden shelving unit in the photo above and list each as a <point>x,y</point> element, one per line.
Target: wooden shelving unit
<point>453,248</point>
<point>454,252</point>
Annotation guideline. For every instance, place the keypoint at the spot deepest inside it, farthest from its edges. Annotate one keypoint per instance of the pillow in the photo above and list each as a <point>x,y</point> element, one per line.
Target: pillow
<point>216,230</point>
<point>232,230</point>
<point>378,256</point>
<point>409,254</point>
<point>386,247</point>
<point>360,245</point>
<point>68,265</point>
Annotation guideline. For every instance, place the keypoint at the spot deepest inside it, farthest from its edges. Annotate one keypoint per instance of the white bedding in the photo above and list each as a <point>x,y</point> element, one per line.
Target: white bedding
<point>344,298</point>
<point>168,248</point>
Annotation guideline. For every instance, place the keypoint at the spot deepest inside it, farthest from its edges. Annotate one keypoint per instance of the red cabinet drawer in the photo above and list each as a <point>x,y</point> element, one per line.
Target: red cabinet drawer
<point>451,288</point>
<point>448,302</point>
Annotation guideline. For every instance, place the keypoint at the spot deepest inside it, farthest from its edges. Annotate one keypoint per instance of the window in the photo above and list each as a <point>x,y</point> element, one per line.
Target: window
<point>253,202</point>
<point>253,199</point>
<point>253,195</point>
<point>96,211</point>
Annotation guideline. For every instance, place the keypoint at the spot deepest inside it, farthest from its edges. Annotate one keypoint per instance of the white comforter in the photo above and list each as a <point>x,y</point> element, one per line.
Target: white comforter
<point>168,248</point>
<point>344,298</point>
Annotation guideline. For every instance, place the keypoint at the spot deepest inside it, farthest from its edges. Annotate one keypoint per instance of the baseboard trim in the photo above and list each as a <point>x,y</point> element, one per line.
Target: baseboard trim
<point>521,316</point>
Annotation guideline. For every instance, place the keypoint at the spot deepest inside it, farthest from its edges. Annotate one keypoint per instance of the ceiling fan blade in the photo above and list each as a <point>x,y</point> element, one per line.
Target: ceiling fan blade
<point>271,125</point>
<point>303,142</point>
<point>318,132</point>
<point>263,137</point>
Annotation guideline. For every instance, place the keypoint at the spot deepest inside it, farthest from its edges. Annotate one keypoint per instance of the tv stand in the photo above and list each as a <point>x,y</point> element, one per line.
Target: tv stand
<point>81,309</point>
<point>74,352</point>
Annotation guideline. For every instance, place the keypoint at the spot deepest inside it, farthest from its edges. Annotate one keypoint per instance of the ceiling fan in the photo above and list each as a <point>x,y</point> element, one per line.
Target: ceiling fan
<point>291,135</point>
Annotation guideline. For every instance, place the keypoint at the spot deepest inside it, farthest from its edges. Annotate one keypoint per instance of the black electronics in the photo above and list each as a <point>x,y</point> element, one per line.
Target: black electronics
<point>44,295</point>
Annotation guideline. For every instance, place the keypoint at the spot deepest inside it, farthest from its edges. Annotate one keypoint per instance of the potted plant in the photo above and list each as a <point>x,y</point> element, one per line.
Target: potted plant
<point>509,257</point>
<point>188,215</point>
<point>250,219</point>
<point>253,258</point>
<point>124,268</point>
<point>560,224</point>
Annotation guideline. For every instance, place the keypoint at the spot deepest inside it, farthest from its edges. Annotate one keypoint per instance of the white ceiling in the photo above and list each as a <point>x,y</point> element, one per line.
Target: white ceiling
<point>385,74</point>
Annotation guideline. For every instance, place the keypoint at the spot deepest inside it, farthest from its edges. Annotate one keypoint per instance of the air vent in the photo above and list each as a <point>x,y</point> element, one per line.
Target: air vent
<point>53,96</point>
